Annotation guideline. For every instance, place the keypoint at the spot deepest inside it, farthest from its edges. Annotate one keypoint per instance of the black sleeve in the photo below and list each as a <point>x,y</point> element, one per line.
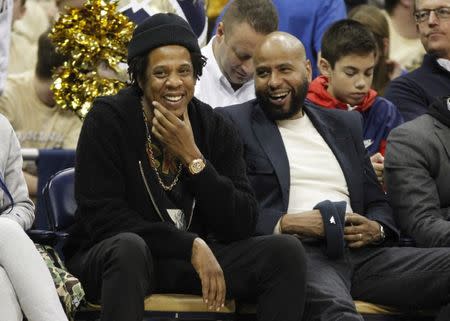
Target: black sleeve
<point>100,189</point>
<point>222,189</point>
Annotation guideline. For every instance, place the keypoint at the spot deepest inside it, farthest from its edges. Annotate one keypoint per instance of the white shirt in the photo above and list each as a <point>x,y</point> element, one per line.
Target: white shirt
<point>445,63</point>
<point>6,8</point>
<point>314,170</point>
<point>214,88</point>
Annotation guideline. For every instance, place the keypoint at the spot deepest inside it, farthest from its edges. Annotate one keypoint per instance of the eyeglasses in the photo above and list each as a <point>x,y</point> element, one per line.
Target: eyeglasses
<point>424,15</point>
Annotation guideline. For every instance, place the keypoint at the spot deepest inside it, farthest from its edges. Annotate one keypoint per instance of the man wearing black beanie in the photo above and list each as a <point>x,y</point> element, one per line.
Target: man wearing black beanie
<point>164,204</point>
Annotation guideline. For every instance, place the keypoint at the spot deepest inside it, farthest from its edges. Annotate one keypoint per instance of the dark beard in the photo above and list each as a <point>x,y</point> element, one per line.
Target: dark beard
<point>274,113</point>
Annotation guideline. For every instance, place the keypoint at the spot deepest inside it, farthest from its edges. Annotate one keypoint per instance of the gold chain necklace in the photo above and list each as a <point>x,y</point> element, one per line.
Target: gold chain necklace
<point>153,161</point>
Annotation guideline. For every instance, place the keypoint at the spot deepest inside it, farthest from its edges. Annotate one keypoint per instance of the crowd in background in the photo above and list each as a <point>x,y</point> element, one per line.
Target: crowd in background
<point>370,74</point>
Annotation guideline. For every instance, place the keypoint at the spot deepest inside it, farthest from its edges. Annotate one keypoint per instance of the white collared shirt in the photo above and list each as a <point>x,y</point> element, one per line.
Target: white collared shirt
<point>214,88</point>
<point>445,63</point>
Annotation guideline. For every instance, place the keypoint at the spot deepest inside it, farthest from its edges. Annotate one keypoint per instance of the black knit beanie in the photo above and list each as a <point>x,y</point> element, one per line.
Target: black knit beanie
<point>162,29</point>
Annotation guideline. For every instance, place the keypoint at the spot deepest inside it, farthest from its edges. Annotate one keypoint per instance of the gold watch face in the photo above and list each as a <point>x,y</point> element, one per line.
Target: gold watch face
<point>196,166</point>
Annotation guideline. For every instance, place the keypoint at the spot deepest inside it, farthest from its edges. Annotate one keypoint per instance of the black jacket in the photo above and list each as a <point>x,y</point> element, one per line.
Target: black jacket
<point>111,191</point>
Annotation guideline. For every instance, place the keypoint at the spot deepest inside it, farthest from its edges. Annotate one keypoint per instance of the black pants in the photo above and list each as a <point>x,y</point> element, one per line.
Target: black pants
<point>120,271</point>
<point>410,278</point>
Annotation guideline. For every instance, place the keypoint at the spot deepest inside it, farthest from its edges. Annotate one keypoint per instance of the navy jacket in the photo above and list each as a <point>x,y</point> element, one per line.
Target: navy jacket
<point>415,91</point>
<point>268,165</point>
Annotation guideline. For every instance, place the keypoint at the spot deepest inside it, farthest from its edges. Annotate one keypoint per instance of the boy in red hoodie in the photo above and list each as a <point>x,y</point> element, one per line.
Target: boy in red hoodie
<point>347,62</point>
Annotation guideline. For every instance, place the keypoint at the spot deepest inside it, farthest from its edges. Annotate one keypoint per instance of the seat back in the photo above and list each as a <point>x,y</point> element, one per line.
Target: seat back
<point>59,199</point>
<point>49,162</point>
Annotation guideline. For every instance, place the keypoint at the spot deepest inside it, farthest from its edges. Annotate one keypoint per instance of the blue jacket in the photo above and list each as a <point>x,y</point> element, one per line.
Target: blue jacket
<point>379,120</point>
<point>414,92</point>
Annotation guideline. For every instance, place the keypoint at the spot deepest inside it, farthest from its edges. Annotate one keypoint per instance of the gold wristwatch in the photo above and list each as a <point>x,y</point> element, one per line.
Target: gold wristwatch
<point>196,166</point>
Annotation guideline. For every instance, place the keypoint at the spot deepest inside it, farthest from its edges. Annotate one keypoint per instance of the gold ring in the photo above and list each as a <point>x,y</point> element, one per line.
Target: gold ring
<point>360,236</point>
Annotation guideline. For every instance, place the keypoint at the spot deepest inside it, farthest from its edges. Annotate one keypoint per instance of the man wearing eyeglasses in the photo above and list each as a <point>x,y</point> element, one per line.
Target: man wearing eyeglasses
<point>414,92</point>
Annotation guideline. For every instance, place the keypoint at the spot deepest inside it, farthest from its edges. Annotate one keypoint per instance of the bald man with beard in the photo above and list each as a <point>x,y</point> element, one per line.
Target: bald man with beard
<point>313,179</point>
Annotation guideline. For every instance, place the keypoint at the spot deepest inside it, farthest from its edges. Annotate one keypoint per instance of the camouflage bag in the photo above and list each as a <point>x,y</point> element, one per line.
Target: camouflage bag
<point>68,287</point>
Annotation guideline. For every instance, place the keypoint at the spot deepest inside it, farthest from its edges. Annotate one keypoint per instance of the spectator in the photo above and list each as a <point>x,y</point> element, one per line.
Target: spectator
<point>308,20</point>
<point>161,211</point>
<point>22,53</point>
<point>227,78</point>
<point>29,105</point>
<point>418,175</point>
<point>313,179</point>
<point>414,92</point>
<point>34,22</point>
<point>25,282</point>
<point>405,46</point>
<point>385,69</point>
<point>347,65</point>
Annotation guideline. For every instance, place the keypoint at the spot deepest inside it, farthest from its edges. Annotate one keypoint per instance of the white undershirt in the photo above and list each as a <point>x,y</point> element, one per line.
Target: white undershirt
<point>314,170</point>
<point>214,88</point>
<point>445,63</point>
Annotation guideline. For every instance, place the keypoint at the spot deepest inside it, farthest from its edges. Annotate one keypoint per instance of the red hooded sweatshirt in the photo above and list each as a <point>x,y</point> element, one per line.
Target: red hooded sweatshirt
<point>318,94</point>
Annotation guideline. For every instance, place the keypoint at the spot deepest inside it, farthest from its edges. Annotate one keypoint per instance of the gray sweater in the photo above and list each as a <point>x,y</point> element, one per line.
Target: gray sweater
<point>12,176</point>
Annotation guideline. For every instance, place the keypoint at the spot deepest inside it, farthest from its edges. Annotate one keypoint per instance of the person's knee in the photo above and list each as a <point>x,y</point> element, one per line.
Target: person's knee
<point>11,234</point>
<point>129,254</point>
<point>287,246</point>
<point>10,230</point>
<point>286,251</point>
